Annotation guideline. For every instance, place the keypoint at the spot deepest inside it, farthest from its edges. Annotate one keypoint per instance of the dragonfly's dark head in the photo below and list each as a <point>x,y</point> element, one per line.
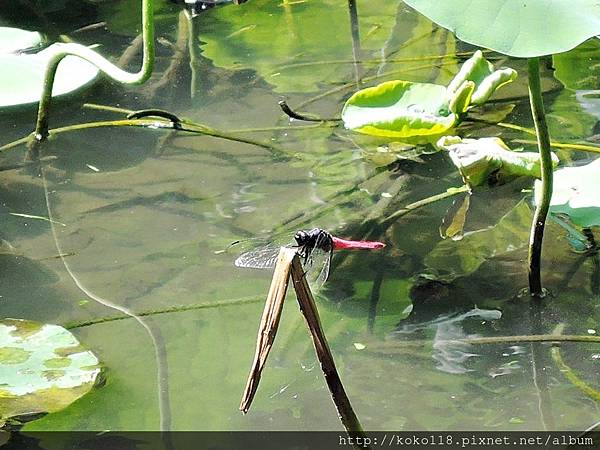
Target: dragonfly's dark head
<point>315,238</point>
<point>301,238</point>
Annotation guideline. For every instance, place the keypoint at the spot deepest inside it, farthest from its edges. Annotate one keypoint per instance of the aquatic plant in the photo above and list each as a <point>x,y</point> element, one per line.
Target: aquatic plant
<point>61,51</point>
<point>576,194</point>
<point>491,24</point>
<point>43,369</point>
<point>24,60</point>
<point>478,160</point>
<point>422,112</point>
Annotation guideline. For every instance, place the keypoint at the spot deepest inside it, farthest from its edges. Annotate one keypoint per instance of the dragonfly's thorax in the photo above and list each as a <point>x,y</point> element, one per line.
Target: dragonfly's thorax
<point>313,239</point>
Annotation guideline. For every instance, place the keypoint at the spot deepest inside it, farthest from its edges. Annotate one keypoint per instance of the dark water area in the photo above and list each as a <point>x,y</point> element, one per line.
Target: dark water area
<point>147,213</point>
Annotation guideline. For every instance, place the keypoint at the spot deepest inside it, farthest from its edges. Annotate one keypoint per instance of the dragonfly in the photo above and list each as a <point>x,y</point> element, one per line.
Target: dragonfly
<point>314,247</point>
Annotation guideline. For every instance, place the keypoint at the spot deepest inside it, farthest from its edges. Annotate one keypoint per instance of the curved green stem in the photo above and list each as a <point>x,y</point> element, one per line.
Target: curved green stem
<point>117,74</point>
<point>541,210</point>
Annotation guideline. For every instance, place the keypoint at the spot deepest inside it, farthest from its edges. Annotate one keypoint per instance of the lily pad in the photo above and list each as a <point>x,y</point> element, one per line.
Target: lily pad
<point>16,40</point>
<point>43,368</point>
<point>22,75</point>
<point>478,160</point>
<point>517,28</point>
<point>400,109</point>
<point>579,69</point>
<point>422,112</point>
<point>576,193</point>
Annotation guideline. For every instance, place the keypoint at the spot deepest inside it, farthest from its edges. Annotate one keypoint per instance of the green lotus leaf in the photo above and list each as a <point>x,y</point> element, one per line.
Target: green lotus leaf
<point>576,192</point>
<point>14,40</point>
<point>579,69</point>
<point>479,159</point>
<point>400,109</point>
<point>43,368</point>
<point>481,72</point>
<point>22,75</point>
<point>523,28</point>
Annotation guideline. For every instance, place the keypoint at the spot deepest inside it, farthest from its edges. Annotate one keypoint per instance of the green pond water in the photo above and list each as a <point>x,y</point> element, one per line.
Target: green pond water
<point>146,213</point>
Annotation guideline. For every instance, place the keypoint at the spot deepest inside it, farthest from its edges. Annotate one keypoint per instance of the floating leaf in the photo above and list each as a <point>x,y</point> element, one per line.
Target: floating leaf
<point>579,69</point>
<point>485,80</point>
<point>43,368</point>
<point>14,40</point>
<point>517,28</point>
<point>480,159</point>
<point>421,112</point>
<point>22,75</point>
<point>400,109</point>
<point>576,192</point>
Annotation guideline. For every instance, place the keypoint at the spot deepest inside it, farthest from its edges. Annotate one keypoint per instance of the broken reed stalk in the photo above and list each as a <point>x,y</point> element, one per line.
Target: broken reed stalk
<point>309,310</point>
<point>288,264</point>
<point>269,323</point>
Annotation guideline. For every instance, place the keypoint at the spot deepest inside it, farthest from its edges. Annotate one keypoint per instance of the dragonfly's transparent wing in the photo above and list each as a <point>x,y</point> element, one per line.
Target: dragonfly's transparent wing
<point>324,273</point>
<point>317,268</point>
<point>260,258</point>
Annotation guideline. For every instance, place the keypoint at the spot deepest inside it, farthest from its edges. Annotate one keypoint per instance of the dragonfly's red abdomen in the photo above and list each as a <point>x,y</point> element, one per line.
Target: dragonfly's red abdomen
<point>339,244</point>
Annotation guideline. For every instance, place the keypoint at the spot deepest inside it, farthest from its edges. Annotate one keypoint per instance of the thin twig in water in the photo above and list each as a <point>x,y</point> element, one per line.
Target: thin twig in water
<point>31,216</point>
<point>162,380</point>
<point>581,147</point>
<point>532,338</point>
<point>450,192</point>
<point>238,130</point>
<point>570,374</point>
<point>169,310</point>
<point>161,124</point>
<point>298,116</point>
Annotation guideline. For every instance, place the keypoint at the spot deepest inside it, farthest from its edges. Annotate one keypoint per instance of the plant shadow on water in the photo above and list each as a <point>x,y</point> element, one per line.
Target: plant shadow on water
<point>146,213</point>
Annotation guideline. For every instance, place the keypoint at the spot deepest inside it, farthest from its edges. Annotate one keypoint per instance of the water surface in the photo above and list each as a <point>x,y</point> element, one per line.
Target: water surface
<point>147,212</point>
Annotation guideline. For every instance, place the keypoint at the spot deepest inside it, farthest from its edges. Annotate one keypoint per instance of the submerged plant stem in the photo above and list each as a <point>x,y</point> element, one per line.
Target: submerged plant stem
<point>565,145</point>
<point>541,210</point>
<point>569,373</point>
<point>171,309</point>
<point>424,202</point>
<point>159,123</point>
<point>235,131</point>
